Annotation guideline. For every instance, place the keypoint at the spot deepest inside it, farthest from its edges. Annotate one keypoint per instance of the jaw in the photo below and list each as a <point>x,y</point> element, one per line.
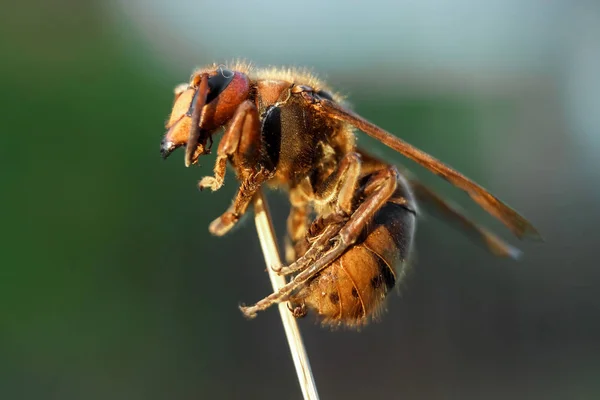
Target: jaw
<point>177,136</point>
<point>167,147</point>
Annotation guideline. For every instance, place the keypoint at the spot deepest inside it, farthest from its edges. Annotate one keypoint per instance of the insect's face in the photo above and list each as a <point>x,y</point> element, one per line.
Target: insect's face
<point>178,126</point>
<point>226,91</point>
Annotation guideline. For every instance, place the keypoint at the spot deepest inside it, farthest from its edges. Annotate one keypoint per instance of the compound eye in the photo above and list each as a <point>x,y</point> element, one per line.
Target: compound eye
<point>219,82</point>
<point>216,85</point>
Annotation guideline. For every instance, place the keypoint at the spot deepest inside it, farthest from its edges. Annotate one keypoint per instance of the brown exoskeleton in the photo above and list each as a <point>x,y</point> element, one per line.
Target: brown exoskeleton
<point>285,128</point>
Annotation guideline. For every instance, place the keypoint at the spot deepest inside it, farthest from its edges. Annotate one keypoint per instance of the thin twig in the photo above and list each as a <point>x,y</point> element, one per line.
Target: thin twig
<point>268,243</point>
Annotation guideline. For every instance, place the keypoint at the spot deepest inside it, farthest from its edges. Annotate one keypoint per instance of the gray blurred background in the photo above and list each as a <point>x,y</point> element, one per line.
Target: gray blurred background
<point>112,288</point>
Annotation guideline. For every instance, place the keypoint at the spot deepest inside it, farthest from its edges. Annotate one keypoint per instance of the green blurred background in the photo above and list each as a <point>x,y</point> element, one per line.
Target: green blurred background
<point>112,288</point>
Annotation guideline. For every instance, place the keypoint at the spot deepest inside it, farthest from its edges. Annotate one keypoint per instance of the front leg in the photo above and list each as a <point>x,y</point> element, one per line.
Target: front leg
<point>245,122</point>
<point>242,144</point>
<point>248,188</point>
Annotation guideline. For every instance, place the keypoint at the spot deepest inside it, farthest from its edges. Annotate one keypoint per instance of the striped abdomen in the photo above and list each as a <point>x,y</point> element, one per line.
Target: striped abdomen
<point>352,289</point>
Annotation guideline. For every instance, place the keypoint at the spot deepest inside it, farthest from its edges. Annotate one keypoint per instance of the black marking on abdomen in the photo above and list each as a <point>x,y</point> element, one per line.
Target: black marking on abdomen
<point>377,281</point>
<point>386,273</point>
<point>334,298</point>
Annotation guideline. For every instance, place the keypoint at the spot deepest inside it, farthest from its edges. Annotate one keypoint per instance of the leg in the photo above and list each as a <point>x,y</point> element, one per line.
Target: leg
<point>340,186</point>
<point>241,143</point>
<point>378,190</point>
<point>244,124</point>
<point>382,185</point>
<point>432,201</point>
<point>297,227</point>
<point>298,219</point>
<point>245,193</point>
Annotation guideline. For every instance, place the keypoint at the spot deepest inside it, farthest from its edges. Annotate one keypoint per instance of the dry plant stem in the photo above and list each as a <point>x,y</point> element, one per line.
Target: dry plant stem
<point>266,235</point>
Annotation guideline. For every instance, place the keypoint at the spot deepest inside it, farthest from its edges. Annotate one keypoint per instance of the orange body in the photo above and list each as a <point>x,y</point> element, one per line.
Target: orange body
<point>352,217</point>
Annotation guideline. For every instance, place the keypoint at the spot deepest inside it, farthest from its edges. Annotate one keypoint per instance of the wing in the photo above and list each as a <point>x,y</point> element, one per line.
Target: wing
<point>452,214</point>
<point>513,220</point>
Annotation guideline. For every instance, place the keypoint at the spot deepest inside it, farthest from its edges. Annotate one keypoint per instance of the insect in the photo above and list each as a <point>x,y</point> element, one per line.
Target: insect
<point>352,218</point>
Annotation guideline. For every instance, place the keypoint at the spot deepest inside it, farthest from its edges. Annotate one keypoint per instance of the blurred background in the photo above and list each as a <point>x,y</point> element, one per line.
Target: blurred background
<point>112,288</point>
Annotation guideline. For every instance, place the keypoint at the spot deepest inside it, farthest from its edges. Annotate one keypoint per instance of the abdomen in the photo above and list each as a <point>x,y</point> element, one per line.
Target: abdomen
<point>352,289</point>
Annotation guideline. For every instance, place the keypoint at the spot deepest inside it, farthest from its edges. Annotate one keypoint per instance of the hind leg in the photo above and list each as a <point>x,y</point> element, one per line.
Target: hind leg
<point>333,241</point>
